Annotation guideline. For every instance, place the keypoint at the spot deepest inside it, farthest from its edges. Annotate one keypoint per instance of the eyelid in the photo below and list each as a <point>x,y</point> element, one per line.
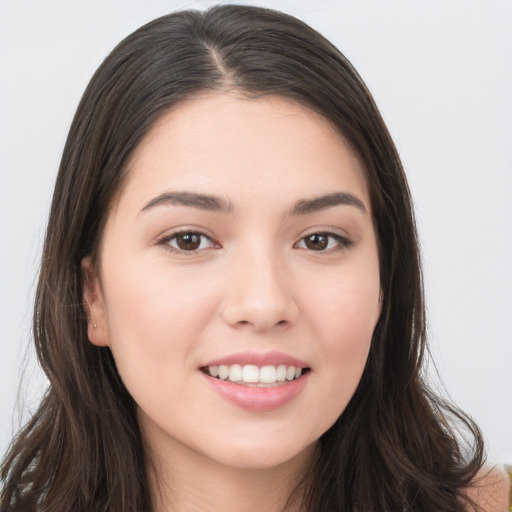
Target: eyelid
<point>344,242</point>
<point>165,239</point>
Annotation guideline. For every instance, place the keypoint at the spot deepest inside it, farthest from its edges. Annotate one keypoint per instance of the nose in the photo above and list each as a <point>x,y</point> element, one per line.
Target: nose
<point>259,294</point>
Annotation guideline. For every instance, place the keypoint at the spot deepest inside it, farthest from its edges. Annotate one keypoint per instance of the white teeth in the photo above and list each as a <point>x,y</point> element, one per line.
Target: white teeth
<point>252,374</point>
<point>235,373</point>
<point>268,374</point>
<point>223,372</point>
<point>281,373</point>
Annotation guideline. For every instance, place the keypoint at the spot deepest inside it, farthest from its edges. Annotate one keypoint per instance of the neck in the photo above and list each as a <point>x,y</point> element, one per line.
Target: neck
<point>183,480</point>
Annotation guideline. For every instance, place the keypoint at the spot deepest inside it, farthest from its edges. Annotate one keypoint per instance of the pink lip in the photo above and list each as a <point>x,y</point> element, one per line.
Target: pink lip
<point>257,399</point>
<point>273,358</point>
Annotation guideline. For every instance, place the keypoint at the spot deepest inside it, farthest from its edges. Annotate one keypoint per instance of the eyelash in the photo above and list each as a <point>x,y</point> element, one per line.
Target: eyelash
<point>341,242</point>
<point>166,241</point>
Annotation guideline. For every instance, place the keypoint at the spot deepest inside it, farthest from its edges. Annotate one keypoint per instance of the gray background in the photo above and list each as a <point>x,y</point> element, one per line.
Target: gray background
<point>441,73</point>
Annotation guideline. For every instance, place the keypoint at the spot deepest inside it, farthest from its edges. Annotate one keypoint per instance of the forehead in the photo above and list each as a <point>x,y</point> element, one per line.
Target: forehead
<point>227,143</point>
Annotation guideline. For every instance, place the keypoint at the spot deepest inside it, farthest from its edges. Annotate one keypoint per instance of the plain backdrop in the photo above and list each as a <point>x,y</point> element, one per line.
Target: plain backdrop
<point>441,73</point>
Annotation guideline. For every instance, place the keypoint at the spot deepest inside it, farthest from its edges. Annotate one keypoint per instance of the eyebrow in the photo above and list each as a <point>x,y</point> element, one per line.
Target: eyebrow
<point>193,200</point>
<point>221,205</point>
<point>305,206</point>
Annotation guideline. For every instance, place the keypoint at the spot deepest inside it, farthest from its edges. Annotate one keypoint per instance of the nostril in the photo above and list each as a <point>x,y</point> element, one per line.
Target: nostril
<point>261,315</point>
<point>263,326</point>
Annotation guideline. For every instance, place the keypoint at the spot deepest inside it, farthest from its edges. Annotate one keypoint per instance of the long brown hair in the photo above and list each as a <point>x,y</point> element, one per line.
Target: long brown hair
<point>394,448</point>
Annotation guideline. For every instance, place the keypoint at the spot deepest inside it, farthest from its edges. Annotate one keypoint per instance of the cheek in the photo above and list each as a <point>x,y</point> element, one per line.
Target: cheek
<point>348,332</point>
<point>347,307</point>
<point>344,318</point>
<point>155,321</point>
<point>154,313</point>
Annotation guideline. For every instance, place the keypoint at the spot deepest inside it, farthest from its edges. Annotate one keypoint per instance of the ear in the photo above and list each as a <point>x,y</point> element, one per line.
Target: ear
<point>94,304</point>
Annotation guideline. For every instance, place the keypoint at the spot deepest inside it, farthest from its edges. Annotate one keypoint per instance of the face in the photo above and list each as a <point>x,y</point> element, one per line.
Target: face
<point>238,280</point>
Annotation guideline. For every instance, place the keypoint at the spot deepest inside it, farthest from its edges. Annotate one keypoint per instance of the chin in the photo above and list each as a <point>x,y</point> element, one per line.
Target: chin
<point>264,456</point>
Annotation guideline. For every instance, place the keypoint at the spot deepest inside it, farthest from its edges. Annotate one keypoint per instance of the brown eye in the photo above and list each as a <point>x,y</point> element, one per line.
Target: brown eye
<point>324,242</point>
<point>316,242</point>
<point>188,242</point>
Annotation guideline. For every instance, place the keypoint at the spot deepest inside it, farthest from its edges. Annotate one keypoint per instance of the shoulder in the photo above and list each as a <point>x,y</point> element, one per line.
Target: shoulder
<point>490,489</point>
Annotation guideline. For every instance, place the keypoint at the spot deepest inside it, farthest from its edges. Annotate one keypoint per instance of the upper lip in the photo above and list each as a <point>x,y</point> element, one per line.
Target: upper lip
<point>273,358</point>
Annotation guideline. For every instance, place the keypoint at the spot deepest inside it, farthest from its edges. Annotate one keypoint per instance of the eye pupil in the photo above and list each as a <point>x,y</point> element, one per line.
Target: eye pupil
<point>316,242</point>
<point>188,241</point>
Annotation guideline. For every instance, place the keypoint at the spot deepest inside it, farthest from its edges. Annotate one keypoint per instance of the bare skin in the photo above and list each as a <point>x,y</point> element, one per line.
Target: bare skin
<point>284,268</point>
<point>226,489</point>
<point>259,282</point>
<point>491,490</point>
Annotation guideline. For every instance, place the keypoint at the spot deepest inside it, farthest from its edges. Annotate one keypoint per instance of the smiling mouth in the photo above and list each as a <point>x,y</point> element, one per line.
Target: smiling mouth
<point>255,376</point>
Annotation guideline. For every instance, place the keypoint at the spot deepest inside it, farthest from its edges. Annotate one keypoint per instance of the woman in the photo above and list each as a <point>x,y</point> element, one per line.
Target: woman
<point>229,310</point>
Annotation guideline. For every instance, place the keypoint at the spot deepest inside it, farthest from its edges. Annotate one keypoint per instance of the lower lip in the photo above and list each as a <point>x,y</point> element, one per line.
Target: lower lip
<point>258,399</point>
